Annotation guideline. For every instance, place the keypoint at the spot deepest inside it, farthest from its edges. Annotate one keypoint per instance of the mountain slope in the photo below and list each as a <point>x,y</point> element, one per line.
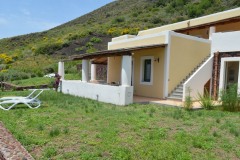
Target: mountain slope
<point>92,31</point>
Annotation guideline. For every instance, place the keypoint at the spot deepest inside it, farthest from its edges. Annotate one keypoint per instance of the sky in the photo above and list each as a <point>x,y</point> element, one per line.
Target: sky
<point>19,17</point>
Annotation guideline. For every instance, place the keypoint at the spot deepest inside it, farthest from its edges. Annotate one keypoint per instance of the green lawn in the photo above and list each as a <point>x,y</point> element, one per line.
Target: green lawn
<point>43,80</point>
<point>68,127</point>
<point>33,81</point>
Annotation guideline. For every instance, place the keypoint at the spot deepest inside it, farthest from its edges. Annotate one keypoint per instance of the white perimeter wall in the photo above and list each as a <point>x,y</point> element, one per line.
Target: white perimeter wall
<point>119,95</point>
<point>225,42</point>
<point>197,81</point>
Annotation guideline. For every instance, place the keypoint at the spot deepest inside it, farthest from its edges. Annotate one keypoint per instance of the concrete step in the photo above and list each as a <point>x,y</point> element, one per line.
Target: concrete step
<point>176,94</point>
<point>174,98</point>
<point>179,90</point>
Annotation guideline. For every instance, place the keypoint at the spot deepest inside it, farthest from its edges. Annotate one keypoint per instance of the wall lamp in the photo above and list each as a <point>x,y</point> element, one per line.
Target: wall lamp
<point>156,59</point>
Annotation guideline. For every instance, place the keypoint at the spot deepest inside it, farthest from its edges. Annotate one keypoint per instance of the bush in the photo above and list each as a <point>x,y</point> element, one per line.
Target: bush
<point>119,20</point>
<point>206,101</point>
<point>89,45</point>
<point>188,103</point>
<point>229,98</point>
<point>95,40</point>
<point>12,75</point>
<point>80,48</point>
<point>49,48</point>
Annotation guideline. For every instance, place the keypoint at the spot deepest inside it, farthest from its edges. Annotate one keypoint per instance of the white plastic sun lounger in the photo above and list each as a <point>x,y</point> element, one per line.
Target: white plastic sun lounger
<point>19,97</point>
<point>7,103</point>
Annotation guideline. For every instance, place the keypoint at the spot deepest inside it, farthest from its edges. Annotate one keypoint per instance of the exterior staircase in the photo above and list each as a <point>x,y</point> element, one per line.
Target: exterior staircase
<point>177,93</point>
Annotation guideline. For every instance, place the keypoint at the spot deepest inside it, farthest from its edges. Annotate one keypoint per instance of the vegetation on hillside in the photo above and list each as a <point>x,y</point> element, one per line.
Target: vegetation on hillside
<point>92,31</point>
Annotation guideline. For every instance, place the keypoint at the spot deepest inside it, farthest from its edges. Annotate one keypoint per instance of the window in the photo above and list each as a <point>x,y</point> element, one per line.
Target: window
<point>146,70</point>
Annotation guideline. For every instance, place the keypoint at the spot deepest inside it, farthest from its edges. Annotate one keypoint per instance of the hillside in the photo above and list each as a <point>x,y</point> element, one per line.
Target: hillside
<point>92,31</point>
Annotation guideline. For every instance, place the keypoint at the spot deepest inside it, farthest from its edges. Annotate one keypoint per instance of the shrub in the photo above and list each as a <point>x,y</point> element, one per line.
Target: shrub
<point>91,50</point>
<point>49,48</point>
<point>54,132</point>
<point>188,103</point>
<point>11,75</point>
<point>119,20</point>
<point>95,40</point>
<point>89,44</point>
<point>206,101</point>
<point>229,98</point>
<point>80,48</point>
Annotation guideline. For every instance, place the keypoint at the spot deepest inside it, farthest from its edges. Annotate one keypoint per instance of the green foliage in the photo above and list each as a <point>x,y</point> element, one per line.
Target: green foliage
<point>50,152</point>
<point>95,40</point>
<point>36,81</point>
<point>188,103</point>
<point>49,48</point>
<point>13,75</point>
<point>89,44</point>
<point>206,101</point>
<point>54,132</point>
<point>80,48</point>
<point>119,20</point>
<point>230,98</point>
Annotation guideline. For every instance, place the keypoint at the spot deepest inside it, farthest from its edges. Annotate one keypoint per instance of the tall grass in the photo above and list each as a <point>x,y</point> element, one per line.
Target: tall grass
<point>206,101</point>
<point>230,98</point>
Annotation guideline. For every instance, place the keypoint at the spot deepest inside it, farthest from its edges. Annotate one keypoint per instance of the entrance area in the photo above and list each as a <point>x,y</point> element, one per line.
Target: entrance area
<point>231,73</point>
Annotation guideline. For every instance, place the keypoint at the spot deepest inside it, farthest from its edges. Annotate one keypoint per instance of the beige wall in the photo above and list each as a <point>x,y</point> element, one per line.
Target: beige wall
<point>185,55</point>
<point>156,89</point>
<point>204,32</point>
<point>136,42</point>
<point>194,22</point>
<point>114,69</point>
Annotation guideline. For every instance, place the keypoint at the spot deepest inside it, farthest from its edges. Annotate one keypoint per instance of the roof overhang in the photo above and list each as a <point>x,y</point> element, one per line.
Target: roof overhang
<point>111,53</point>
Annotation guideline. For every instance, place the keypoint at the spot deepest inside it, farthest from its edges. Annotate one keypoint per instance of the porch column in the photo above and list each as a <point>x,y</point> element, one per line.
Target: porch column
<point>126,73</point>
<point>212,30</point>
<point>85,70</point>
<point>61,69</point>
<point>93,72</point>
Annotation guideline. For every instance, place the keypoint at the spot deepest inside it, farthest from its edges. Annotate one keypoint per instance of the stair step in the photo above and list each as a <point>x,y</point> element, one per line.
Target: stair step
<point>177,93</point>
<point>174,98</point>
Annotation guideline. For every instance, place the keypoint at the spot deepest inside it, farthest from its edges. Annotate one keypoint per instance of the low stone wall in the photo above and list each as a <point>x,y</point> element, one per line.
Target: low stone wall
<point>1,156</point>
<point>10,148</point>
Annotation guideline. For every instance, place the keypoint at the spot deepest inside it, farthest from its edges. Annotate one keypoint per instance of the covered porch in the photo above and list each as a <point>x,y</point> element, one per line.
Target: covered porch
<point>113,90</point>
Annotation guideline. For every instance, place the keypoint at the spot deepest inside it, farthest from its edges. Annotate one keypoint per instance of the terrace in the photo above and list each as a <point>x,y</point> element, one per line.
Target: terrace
<point>115,92</point>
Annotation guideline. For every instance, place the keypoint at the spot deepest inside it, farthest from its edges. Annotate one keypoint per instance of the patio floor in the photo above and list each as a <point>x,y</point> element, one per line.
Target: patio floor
<point>165,102</point>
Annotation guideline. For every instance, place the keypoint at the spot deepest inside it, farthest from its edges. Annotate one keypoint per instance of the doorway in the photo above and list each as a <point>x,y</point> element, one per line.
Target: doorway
<point>231,73</point>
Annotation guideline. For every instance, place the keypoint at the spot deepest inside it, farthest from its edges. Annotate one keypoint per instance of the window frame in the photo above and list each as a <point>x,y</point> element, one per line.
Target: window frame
<point>142,70</point>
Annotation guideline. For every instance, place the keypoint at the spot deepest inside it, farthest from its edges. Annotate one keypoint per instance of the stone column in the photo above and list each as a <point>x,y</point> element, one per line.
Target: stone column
<point>126,73</point>
<point>61,69</point>
<point>85,70</point>
<point>93,72</point>
<point>212,30</point>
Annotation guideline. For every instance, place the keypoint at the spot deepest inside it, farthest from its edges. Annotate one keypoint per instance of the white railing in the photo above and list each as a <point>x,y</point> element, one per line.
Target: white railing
<point>119,95</point>
<point>197,81</point>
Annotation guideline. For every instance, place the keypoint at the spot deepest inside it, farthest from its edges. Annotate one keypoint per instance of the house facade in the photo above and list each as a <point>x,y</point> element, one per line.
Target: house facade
<point>165,62</point>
